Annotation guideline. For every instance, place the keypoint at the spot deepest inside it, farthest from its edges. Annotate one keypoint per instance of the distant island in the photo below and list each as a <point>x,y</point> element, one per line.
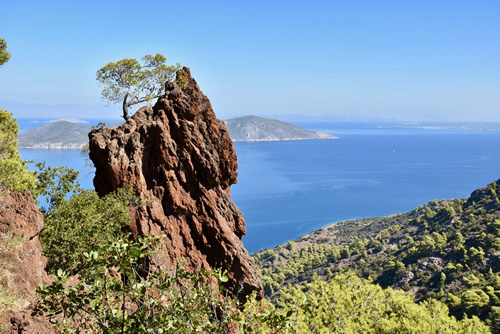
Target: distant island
<point>55,135</point>
<point>67,135</point>
<point>253,128</point>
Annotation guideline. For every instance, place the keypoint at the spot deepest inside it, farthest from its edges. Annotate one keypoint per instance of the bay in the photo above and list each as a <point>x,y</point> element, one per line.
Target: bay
<point>287,189</point>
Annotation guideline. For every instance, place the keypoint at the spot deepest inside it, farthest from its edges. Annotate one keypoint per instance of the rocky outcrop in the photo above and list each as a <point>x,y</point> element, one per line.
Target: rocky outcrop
<point>182,162</point>
<point>22,266</point>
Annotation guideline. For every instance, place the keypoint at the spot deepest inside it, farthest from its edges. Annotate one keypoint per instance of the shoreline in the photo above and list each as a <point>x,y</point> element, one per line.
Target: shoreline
<point>290,139</point>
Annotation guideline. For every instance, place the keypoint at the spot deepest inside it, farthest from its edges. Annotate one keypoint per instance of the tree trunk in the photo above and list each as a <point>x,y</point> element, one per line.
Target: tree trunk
<point>125,107</point>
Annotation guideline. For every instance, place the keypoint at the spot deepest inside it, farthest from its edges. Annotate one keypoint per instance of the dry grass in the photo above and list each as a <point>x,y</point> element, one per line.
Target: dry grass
<point>10,299</point>
<point>11,242</point>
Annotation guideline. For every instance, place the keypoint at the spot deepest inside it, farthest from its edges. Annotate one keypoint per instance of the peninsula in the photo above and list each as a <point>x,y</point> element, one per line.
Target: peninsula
<point>254,128</point>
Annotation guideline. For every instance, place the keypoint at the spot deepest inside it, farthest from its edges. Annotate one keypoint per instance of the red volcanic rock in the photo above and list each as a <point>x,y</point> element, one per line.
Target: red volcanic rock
<point>181,160</point>
<point>22,266</point>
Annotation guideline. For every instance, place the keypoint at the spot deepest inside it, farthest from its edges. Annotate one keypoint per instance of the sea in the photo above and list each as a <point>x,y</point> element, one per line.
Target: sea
<point>287,189</point>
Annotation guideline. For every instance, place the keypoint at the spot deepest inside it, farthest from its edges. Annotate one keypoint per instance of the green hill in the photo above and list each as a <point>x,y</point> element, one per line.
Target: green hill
<point>446,250</point>
<point>253,128</point>
<point>55,135</point>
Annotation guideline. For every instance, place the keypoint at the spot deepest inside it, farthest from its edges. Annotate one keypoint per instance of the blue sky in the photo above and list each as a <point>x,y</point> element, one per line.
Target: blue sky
<point>404,60</point>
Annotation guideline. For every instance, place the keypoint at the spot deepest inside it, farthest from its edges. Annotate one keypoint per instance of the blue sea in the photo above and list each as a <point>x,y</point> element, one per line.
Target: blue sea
<point>287,189</point>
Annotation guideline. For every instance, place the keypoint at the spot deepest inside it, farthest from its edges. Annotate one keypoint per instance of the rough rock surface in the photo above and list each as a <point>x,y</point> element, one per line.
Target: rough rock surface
<point>181,160</point>
<point>22,266</point>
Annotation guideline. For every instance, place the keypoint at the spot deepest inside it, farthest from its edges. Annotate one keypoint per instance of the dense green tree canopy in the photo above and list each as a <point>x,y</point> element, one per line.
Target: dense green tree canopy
<point>349,304</point>
<point>14,173</point>
<point>131,82</point>
<point>8,134</point>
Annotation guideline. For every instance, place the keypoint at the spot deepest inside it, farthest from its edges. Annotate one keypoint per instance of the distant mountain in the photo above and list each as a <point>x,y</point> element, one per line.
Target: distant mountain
<point>253,128</point>
<point>55,135</point>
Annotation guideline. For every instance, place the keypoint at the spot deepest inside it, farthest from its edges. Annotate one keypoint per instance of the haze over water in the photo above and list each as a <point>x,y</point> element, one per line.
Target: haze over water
<point>287,189</point>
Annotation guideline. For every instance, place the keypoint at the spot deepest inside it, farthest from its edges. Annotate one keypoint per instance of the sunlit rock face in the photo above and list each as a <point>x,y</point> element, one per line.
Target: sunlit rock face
<point>182,162</point>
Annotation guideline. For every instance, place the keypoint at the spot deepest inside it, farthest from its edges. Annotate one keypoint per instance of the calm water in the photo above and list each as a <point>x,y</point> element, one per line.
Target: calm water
<point>287,189</point>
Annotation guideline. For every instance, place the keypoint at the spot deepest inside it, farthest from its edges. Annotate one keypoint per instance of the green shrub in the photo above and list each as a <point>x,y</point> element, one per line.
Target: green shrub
<point>81,224</point>
<point>118,293</point>
<point>14,173</point>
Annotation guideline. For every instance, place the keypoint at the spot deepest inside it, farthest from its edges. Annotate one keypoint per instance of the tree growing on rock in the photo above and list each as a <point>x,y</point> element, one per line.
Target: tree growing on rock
<point>132,82</point>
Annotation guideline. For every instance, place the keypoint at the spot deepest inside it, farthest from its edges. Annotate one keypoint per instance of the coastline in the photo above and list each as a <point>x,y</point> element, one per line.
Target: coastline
<point>53,146</point>
<point>286,139</point>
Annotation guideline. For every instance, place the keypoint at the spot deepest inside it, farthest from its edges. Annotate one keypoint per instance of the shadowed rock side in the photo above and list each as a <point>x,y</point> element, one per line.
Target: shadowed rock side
<point>181,160</point>
<point>22,266</point>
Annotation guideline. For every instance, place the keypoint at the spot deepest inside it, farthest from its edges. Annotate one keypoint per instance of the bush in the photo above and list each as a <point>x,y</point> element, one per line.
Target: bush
<point>117,293</point>
<point>83,223</point>
<point>14,173</point>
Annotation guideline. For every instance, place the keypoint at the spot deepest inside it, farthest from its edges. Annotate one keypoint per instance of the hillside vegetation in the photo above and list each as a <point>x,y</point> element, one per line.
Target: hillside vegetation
<point>444,250</point>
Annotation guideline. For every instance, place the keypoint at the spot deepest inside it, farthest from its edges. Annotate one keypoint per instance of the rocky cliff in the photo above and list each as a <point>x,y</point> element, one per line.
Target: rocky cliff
<point>22,266</point>
<point>182,162</point>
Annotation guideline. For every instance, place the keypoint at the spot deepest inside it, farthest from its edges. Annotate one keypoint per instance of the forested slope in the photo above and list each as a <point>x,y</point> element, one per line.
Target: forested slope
<point>446,250</point>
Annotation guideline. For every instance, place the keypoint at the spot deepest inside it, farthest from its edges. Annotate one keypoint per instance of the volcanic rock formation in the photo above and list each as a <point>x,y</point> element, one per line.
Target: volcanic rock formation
<point>182,162</point>
<point>22,266</point>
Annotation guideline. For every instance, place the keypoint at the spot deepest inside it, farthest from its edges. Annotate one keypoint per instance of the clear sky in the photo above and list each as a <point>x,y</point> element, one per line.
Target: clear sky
<point>406,60</point>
